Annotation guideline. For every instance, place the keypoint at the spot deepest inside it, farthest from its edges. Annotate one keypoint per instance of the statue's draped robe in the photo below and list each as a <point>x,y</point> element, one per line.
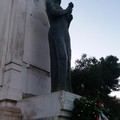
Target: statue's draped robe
<point>60,48</point>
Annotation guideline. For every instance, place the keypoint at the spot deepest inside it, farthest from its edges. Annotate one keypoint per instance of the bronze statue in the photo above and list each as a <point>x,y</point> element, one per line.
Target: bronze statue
<point>59,42</point>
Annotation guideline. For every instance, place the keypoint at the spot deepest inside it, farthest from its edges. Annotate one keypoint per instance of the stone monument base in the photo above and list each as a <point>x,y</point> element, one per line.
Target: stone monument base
<point>8,111</point>
<point>53,106</point>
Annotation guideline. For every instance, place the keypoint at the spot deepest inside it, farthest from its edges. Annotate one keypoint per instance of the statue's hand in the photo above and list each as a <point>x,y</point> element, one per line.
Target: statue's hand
<point>71,4</point>
<point>70,8</point>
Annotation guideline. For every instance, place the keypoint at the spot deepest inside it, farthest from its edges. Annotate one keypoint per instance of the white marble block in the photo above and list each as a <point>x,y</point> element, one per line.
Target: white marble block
<point>24,49</point>
<point>24,54</point>
<point>53,106</point>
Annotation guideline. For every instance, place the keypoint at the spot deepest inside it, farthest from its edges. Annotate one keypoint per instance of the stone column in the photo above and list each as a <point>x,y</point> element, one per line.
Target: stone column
<point>24,53</point>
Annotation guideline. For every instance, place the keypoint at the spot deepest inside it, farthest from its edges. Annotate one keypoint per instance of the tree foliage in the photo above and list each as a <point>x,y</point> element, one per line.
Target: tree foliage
<point>92,77</point>
<point>96,78</point>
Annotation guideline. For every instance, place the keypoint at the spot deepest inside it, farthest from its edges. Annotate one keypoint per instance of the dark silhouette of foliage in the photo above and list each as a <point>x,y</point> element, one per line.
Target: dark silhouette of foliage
<point>97,78</point>
<point>92,77</point>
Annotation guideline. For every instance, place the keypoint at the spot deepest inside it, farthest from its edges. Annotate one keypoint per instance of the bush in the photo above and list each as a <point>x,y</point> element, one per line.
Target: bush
<point>85,109</point>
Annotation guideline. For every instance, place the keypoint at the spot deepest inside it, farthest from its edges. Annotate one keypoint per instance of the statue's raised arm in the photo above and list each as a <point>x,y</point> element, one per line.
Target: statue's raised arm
<point>59,42</point>
<point>53,6</point>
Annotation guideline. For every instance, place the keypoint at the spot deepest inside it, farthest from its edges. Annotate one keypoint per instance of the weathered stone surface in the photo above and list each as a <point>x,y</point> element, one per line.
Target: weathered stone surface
<point>36,46</point>
<point>24,50</point>
<point>8,111</point>
<point>48,107</point>
<point>5,13</point>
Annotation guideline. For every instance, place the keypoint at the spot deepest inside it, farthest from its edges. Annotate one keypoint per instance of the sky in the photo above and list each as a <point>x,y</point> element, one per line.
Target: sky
<point>95,29</point>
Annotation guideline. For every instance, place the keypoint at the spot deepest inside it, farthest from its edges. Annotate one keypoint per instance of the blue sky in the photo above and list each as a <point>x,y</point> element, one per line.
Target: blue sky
<point>95,29</point>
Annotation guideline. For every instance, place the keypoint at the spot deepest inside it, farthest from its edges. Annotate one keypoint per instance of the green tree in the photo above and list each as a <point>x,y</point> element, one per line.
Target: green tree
<point>92,77</point>
<point>97,78</point>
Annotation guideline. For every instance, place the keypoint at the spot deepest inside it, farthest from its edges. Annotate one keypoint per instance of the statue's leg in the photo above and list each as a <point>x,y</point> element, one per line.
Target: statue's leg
<point>68,46</point>
<point>59,63</point>
<point>53,63</point>
<point>69,75</point>
<point>62,63</point>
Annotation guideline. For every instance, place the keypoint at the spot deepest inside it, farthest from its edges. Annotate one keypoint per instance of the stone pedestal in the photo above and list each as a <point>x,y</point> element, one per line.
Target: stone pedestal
<point>54,106</point>
<point>9,111</point>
